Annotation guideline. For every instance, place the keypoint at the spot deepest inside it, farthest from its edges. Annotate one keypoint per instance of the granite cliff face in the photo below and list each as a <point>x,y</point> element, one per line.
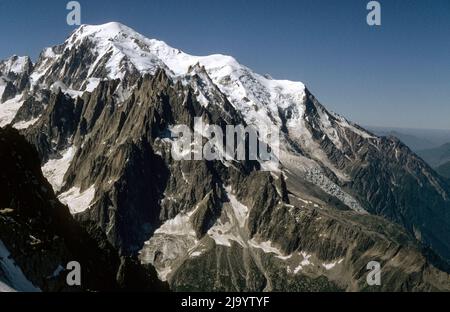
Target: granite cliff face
<point>100,110</point>
<point>39,236</point>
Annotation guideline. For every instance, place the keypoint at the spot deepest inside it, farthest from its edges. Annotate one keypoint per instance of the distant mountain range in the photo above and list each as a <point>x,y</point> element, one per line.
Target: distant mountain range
<point>416,139</point>
<point>438,158</point>
<point>429,144</point>
<point>444,169</point>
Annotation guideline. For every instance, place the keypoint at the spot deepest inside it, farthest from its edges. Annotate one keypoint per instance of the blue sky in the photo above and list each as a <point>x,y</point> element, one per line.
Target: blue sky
<point>394,75</point>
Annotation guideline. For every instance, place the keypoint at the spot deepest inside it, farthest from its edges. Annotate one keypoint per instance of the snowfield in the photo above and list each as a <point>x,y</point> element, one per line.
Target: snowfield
<point>55,169</point>
<point>14,279</point>
<point>8,110</point>
<point>78,201</point>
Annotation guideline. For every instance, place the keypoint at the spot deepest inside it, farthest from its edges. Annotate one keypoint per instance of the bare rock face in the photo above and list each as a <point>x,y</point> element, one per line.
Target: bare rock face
<point>42,237</point>
<point>341,197</point>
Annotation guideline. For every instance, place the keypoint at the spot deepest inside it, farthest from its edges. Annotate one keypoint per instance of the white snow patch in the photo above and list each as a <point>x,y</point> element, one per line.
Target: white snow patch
<point>224,233</point>
<point>196,253</point>
<point>25,124</point>
<point>15,64</point>
<point>8,110</point>
<point>180,225</point>
<point>78,202</point>
<point>5,288</point>
<point>284,257</point>
<point>59,85</point>
<point>15,279</point>
<point>266,247</point>
<point>298,269</point>
<point>55,169</point>
<point>271,165</point>
<point>163,274</point>
<point>329,266</point>
<point>92,83</point>
<point>230,225</point>
<point>304,262</point>
<point>2,87</point>
<point>48,53</point>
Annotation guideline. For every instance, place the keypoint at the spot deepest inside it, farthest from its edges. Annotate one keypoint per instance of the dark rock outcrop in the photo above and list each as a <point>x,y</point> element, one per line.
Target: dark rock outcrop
<point>41,235</point>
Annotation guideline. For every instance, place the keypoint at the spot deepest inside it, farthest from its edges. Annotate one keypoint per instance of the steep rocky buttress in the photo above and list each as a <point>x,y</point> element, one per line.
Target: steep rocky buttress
<point>39,236</point>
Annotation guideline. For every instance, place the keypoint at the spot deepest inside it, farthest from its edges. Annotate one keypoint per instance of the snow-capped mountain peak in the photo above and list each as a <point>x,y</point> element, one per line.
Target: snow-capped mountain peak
<point>146,55</point>
<point>15,64</point>
<point>114,51</point>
